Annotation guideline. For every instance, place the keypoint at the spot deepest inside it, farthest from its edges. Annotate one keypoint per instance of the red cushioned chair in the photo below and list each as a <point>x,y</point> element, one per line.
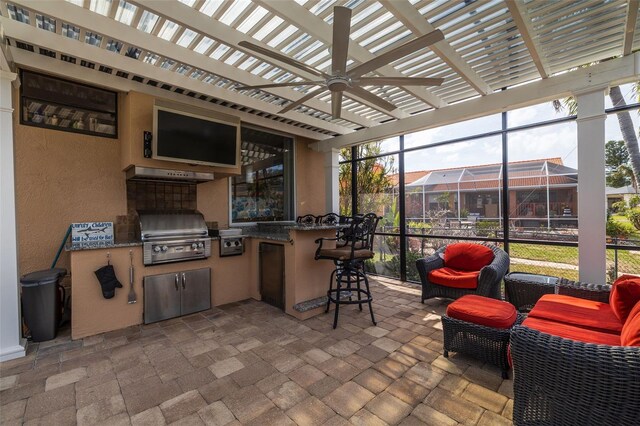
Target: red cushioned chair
<point>577,360</point>
<point>463,268</point>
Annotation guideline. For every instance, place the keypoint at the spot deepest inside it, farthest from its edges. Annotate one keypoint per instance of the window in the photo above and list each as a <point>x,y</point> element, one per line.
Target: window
<point>264,190</point>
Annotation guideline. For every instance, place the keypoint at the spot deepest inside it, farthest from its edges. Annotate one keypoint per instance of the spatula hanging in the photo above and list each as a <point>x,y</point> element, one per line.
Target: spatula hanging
<point>132,294</point>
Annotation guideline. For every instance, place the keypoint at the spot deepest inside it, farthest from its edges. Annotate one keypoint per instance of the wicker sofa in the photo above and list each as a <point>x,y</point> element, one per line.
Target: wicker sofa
<point>488,281</point>
<point>576,378</point>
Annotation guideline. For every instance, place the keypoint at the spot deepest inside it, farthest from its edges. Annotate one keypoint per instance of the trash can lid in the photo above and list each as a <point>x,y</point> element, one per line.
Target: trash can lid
<point>45,276</point>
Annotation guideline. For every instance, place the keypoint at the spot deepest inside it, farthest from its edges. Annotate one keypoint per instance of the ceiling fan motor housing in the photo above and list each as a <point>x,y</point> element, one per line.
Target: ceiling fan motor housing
<point>338,83</point>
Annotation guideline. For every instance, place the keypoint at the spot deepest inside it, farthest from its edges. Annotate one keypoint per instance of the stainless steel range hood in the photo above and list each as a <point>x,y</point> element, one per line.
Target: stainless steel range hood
<point>152,174</point>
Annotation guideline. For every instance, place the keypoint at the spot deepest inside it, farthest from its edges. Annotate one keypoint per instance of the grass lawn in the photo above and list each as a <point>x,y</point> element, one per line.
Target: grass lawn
<point>627,260</point>
<point>546,270</point>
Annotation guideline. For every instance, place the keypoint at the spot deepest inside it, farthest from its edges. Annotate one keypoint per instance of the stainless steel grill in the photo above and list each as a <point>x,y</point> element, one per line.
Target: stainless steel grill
<point>173,236</point>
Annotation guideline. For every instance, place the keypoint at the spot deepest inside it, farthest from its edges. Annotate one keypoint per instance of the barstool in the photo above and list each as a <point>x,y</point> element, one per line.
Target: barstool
<point>354,245</point>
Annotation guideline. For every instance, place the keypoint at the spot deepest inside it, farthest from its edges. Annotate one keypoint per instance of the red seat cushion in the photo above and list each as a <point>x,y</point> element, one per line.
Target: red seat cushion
<point>483,311</point>
<point>625,294</point>
<point>572,332</point>
<point>450,277</point>
<point>630,335</point>
<point>467,256</point>
<point>570,310</point>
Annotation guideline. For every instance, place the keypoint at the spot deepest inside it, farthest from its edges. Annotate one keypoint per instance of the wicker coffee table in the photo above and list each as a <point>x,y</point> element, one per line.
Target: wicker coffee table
<point>523,290</point>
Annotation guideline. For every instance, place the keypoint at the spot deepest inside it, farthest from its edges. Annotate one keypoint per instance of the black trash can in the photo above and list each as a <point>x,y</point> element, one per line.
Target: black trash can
<point>42,301</point>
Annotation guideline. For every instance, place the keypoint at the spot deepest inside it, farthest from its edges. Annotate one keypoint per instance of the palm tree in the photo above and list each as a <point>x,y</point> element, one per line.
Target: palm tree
<point>624,120</point>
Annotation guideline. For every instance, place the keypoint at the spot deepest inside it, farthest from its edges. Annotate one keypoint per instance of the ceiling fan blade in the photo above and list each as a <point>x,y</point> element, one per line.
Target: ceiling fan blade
<point>302,100</point>
<point>371,98</point>
<point>397,53</point>
<point>336,104</point>
<point>280,57</point>
<point>341,30</point>
<point>293,83</point>
<point>399,81</point>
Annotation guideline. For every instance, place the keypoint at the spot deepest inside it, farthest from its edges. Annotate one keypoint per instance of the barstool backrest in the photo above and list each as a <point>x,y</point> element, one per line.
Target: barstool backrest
<point>328,219</point>
<point>361,233</point>
<point>307,219</point>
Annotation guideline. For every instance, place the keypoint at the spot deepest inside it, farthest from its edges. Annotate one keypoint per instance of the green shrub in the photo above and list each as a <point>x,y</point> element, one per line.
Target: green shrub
<point>619,206</point>
<point>486,228</point>
<point>634,217</point>
<point>634,201</point>
<point>617,229</point>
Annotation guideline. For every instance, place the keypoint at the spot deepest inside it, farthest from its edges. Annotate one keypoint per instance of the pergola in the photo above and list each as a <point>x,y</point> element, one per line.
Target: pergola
<point>497,55</point>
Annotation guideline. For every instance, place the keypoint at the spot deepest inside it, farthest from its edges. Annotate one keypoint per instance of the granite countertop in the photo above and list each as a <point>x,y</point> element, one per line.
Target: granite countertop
<point>266,235</point>
<point>101,245</point>
<point>281,231</point>
<point>112,245</point>
<point>300,227</point>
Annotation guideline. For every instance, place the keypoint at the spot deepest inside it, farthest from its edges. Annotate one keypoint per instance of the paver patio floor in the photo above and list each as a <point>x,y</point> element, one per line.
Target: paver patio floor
<point>249,363</point>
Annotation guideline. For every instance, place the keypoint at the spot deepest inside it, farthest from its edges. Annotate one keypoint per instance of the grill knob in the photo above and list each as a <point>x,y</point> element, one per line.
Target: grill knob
<point>236,243</point>
<point>194,246</point>
<point>200,245</point>
<point>227,244</point>
<point>165,248</point>
<point>156,249</point>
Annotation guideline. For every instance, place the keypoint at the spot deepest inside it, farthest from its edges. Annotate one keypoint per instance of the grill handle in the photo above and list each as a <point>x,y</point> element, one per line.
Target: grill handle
<point>184,280</point>
<point>176,283</point>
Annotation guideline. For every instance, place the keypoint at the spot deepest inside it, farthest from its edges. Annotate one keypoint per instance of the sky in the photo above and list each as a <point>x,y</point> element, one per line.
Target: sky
<point>558,140</point>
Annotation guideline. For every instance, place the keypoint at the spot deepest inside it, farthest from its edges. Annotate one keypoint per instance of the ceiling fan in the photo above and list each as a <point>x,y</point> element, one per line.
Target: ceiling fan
<point>340,79</point>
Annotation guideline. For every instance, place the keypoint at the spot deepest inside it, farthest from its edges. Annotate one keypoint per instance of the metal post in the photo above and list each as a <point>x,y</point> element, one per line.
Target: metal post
<point>505,183</point>
<point>354,181</point>
<point>401,209</point>
<point>546,167</point>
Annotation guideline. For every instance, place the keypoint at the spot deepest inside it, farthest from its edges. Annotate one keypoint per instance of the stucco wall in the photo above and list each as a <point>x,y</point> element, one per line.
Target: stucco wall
<point>310,190</point>
<point>65,177</point>
<point>61,178</point>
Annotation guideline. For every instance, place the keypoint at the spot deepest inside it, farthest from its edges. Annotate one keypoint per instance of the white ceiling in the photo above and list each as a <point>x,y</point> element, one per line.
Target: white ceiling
<point>190,47</point>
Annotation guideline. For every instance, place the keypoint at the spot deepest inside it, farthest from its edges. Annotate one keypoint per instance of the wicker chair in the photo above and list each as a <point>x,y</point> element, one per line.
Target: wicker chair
<point>559,381</point>
<point>488,281</point>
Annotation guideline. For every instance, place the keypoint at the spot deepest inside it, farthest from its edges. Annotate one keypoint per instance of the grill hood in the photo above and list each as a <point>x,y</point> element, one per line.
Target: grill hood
<point>156,225</point>
<point>138,173</point>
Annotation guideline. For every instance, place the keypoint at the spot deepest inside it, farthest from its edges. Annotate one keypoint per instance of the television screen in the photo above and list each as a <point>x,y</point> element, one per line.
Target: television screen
<point>194,139</point>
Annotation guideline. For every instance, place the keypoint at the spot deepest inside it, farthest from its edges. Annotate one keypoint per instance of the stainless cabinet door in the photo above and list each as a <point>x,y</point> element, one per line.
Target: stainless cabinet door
<point>196,290</point>
<point>161,297</point>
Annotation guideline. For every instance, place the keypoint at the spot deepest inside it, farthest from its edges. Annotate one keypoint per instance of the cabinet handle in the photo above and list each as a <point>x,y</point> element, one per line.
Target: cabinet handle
<point>184,280</point>
<point>176,282</point>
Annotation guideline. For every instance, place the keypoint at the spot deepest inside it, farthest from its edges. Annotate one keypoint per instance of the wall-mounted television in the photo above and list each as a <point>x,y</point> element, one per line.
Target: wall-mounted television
<point>195,139</point>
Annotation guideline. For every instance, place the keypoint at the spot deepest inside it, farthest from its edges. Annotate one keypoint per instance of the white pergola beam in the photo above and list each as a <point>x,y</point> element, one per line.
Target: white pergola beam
<point>616,71</point>
<point>59,43</point>
<point>522,21</point>
<point>199,22</point>
<point>68,12</point>
<point>64,69</point>
<point>411,18</point>
<point>630,26</point>
<point>308,22</point>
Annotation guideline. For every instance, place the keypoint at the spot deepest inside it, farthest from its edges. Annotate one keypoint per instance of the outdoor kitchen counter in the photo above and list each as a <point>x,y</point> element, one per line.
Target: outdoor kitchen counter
<point>232,280</point>
<point>305,278</point>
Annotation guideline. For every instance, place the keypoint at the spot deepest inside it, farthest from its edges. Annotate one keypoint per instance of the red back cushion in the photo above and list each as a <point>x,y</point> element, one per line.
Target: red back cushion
<point>467,256</point>
<point>630,335</point>
<point>624,296</point>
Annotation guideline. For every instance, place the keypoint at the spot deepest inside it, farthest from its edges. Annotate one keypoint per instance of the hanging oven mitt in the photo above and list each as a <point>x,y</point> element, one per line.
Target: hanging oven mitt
<point>108,281</point>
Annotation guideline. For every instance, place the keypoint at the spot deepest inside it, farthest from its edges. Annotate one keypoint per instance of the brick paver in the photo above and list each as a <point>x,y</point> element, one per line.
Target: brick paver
<point>249,363</point>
